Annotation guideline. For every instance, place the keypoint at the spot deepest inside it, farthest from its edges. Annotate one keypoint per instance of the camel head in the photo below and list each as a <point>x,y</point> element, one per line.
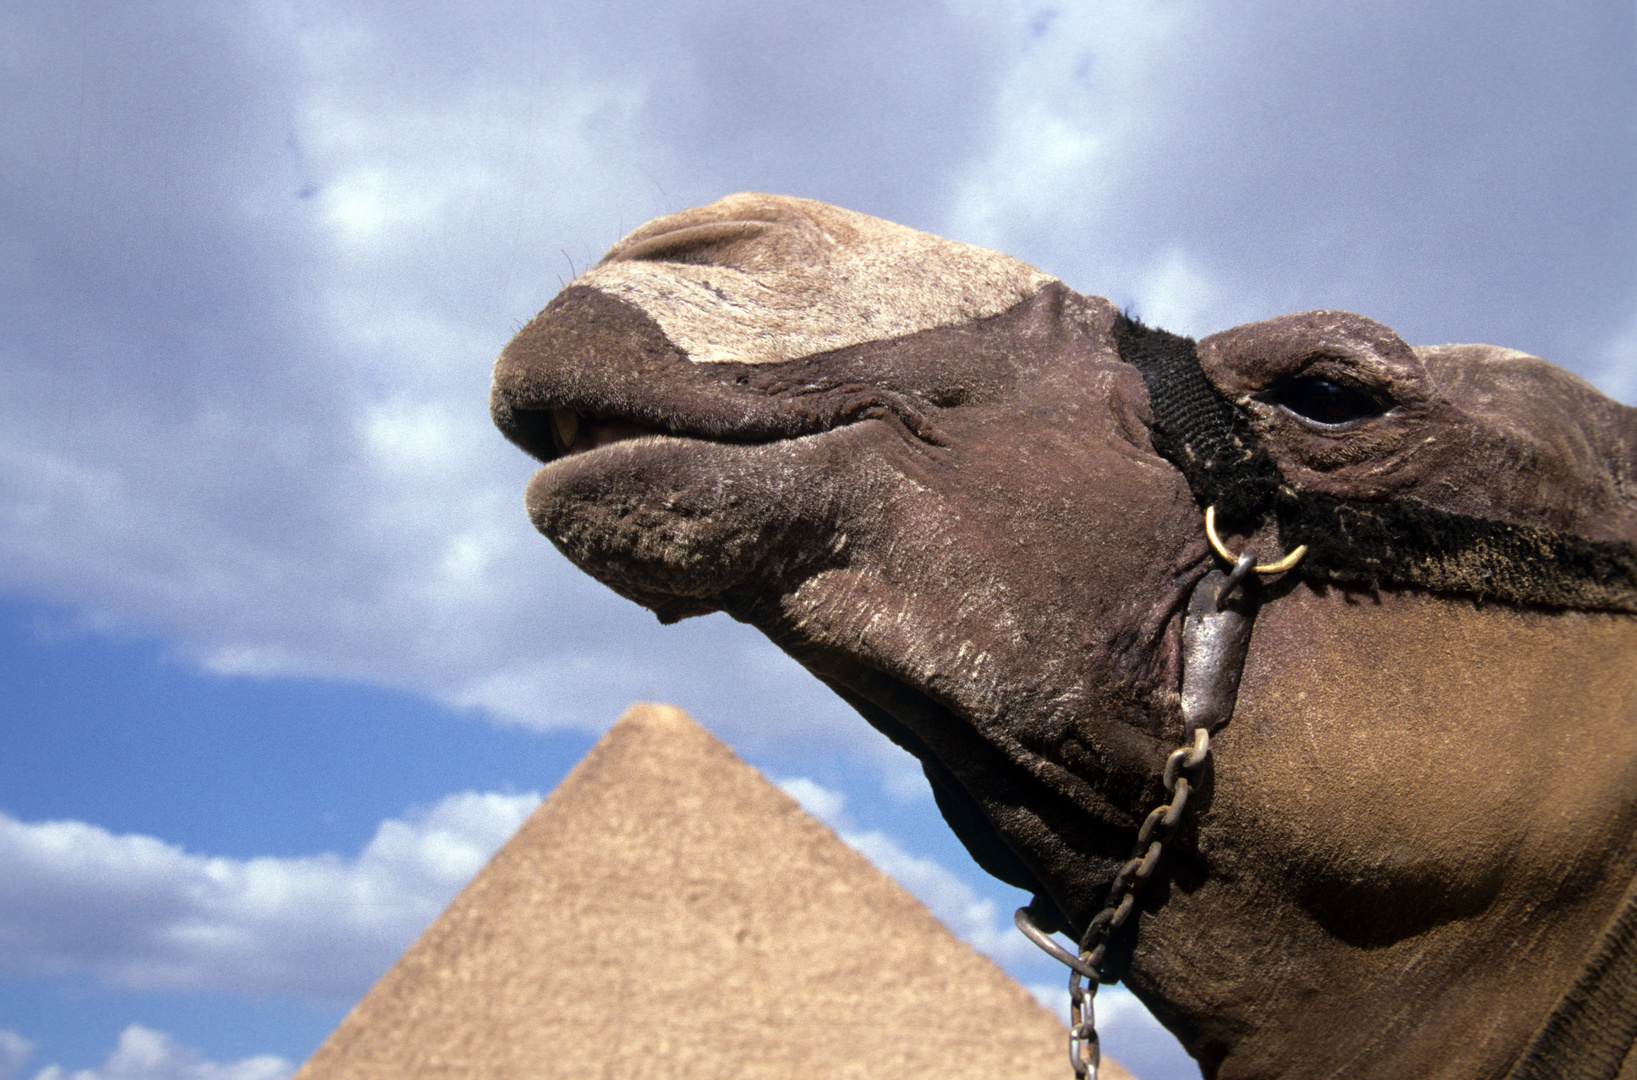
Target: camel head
<point>971,501</point>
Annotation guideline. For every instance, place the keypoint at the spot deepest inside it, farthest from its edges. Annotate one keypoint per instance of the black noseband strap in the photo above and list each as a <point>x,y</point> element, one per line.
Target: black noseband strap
<point>1198,430</point>
<point>1354,541</point>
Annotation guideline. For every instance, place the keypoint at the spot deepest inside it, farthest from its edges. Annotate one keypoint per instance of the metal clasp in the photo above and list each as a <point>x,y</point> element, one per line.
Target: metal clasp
<point>1024,919</point>
<point>1287,563</point>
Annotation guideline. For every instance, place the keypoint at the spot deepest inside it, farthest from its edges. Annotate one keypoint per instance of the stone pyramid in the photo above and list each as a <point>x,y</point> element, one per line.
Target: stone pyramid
<point>669,913</point>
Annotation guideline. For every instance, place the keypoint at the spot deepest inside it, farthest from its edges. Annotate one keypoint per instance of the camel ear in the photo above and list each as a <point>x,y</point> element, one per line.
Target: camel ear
<point>1559,431</point>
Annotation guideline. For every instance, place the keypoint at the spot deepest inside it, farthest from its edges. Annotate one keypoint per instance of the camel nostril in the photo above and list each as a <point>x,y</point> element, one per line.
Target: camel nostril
<point>691,243</point>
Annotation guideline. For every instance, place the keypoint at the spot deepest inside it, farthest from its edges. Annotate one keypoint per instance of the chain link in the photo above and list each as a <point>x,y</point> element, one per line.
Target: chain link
<point>1214,638</point>
<point>1085,1052</point>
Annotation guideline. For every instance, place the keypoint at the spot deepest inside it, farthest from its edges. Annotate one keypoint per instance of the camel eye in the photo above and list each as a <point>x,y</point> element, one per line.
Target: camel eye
<point>1325,402</point>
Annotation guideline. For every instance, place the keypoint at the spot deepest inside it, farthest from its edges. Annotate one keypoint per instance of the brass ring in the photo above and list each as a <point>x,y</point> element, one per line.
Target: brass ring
<point>1286,563</point>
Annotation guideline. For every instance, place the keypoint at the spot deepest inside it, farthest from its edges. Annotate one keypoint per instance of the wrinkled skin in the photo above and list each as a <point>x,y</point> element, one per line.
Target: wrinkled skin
<point>922,469</point>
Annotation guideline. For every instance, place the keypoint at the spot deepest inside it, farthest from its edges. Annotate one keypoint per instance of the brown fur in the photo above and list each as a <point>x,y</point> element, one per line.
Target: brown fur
<point>1421,813</point>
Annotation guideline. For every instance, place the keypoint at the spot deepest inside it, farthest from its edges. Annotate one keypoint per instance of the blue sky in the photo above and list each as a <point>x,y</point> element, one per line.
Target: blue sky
<point>274,632</point>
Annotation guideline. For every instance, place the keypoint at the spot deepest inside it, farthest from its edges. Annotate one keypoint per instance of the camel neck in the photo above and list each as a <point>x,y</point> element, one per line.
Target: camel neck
<point>1592,1031</point>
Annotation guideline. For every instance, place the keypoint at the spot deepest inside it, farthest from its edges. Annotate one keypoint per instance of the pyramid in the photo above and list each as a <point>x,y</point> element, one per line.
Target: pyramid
<point>667,912</point>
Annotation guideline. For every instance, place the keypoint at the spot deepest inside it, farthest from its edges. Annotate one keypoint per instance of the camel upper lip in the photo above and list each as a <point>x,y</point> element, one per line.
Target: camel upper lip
<point>599,370</point>
<point>555,421</point>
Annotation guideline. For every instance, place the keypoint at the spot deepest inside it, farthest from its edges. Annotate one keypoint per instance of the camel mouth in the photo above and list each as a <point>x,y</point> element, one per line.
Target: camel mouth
<point>563,417</point>
<point>552,434</point>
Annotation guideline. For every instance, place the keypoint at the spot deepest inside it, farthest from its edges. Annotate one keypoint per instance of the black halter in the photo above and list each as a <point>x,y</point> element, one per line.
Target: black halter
<point>1593,1028</point>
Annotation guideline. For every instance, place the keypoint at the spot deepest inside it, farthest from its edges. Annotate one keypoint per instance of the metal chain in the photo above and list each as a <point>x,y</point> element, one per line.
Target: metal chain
<point>1214,638</point>
<point>1086,970</point>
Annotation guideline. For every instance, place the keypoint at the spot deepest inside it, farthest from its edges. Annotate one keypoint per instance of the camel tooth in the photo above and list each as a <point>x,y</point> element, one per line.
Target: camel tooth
<point>565,428</point>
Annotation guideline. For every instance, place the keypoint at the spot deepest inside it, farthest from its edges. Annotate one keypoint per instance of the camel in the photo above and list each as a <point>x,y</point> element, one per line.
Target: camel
<point>975,504</point>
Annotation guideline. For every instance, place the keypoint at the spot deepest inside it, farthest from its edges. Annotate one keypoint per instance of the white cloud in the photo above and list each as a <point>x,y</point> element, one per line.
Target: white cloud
<point>279,458</point>
<point>145,1054</point>
<point>1126,1029</point>
<point>1127,134</point>
<point>906,783</point>
<point>826,804</point>
<point>282,252</point>
<point>1178,294</point>
<point>1084,84</point>
<point>135,912</point>
<point>14,1052</point>
<point>1092,93</point>
<point>1617,374</point>
<point>282,246</point>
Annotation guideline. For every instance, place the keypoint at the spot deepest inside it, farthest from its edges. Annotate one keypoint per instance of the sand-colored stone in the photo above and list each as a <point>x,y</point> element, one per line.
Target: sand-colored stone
<point>667,912</point>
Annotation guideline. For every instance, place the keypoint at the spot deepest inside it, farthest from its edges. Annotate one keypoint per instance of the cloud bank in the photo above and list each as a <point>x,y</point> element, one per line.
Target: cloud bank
<point>262,255</point>
<point>134,912</point>
<point>144,1054</point>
